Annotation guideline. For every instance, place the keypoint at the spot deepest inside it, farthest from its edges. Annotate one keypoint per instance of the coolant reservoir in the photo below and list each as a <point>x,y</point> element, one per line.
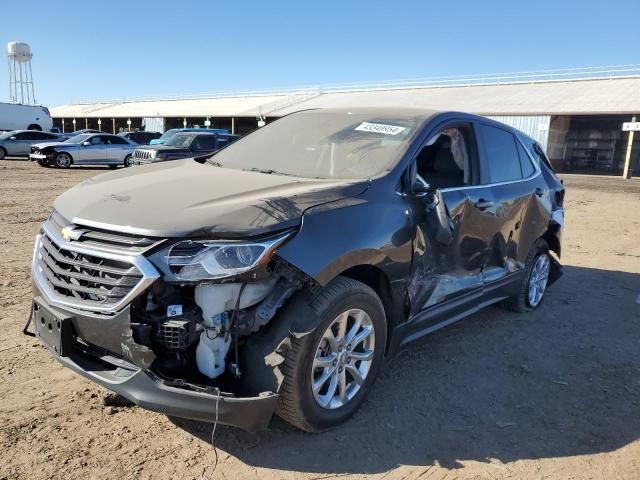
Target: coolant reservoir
<point>215,300</point>
<point>210,354</point>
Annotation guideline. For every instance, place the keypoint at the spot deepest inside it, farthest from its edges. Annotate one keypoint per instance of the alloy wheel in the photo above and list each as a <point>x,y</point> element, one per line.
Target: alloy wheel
<point>343,359</point>
<point>538,279</point>
<point>63,160</point>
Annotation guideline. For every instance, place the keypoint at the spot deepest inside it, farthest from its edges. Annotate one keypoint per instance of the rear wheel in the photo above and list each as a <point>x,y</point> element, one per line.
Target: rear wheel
<point>3,153</point>
<point>63,160</point>
<point>35,126</point>
<point>329,372</point>
<point>535,283</point>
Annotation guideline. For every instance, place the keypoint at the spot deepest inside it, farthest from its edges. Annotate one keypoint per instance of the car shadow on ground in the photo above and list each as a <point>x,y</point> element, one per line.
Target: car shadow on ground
<point>558,382</point>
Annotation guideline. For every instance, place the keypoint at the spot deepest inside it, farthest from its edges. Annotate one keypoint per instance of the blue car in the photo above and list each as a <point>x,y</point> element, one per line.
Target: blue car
<point>170,133</point>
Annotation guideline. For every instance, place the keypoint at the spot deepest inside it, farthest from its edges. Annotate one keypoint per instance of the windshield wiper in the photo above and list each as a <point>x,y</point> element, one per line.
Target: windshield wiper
<point>213,162</point>
<point>268,171</point>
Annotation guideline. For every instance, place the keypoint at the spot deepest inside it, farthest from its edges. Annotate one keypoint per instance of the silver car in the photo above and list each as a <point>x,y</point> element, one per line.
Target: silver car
<point>85,149</point>
<point>18,142</point>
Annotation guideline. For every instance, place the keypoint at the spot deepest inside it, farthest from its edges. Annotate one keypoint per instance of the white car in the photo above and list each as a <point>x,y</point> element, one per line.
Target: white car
<point>14,116</point>
<point>85,149</point>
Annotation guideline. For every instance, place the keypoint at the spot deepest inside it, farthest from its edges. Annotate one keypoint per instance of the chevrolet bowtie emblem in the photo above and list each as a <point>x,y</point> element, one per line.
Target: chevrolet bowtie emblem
<point>68,233</point>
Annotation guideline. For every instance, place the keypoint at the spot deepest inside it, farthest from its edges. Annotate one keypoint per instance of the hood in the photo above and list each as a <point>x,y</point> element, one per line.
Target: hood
<point>159,147</point>
<point>187,198</point>
<point>55,144</point>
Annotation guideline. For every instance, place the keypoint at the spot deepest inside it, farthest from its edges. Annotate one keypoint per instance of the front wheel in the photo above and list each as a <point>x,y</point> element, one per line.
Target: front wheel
<point>127,161</point>
<point>3,153</point>
<point>535,283</point>
<point>329,372</point>
<point>63,160</point>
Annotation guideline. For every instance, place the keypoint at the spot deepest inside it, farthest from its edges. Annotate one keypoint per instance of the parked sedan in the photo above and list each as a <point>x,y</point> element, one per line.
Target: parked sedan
<point>18,142</point>
<point>182,145</point>
<point>277,275</point>
<point>85,149</point>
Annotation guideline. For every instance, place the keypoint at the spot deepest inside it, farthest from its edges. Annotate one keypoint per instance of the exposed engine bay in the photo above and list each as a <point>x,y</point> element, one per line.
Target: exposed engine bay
<point>198,331</point>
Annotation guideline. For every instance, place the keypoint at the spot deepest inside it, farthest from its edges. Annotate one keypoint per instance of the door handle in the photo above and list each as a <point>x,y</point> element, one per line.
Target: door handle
<point>539,192</point>
<point>483,204</point>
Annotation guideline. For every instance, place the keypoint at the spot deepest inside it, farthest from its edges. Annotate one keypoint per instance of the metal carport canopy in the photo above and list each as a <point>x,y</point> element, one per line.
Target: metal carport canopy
<point>617,95</point>
<point>577,97</point>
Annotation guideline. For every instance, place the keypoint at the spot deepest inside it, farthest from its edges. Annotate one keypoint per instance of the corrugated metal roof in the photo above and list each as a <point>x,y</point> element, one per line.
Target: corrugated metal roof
<point>600,96</point>
<point>241,106</point>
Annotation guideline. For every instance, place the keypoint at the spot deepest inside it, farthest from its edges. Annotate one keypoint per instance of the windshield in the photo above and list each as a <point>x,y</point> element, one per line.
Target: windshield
<point>168,134</point>
<point>322,144</point>
<point>181,141</point>
<point>79,138</point>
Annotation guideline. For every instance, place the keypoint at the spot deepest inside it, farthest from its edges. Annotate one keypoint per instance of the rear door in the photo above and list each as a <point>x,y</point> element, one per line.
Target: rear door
<point>117,149</point>
<point>20,144</point>
<point>512,188</point>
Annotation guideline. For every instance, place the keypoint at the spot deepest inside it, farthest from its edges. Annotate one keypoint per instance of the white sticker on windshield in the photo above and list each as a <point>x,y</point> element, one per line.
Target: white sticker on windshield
<point>380,128</point>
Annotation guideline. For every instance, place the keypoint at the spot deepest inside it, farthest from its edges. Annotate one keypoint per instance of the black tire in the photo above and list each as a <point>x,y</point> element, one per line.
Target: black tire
<point>127,161</point>
<point>34,126</point>
<point>297,404</point>
<point>61,162</point>
<point>520,302</point>
<point>3,153</point>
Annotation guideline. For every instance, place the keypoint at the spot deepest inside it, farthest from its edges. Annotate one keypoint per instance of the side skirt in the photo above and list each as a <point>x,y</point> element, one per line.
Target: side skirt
<point>444,314</point>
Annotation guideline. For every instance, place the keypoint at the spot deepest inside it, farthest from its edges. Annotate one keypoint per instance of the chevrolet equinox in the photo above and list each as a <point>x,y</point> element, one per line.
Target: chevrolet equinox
<point>277,274</point>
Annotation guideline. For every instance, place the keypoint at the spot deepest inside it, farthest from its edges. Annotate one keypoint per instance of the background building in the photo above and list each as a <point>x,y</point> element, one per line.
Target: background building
<point>577,115</point>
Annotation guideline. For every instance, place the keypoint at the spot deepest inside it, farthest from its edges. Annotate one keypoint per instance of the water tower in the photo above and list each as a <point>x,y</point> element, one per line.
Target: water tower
<point>20,76</point>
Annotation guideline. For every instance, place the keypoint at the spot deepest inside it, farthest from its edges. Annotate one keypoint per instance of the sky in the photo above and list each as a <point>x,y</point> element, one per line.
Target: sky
<point>132,49</point>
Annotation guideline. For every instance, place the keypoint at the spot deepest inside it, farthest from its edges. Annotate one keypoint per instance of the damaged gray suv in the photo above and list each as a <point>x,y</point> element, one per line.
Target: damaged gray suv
<point>276,275</point>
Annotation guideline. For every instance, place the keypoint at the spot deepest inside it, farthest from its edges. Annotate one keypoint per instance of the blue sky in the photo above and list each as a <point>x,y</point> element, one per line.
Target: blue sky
<point>142,48</point>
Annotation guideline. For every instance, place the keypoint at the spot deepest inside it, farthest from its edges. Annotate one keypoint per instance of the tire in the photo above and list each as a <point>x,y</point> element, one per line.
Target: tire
<point>3,153</point>
<point>298,404</point>
<point>127,161</point>
<point>522,302</point>
<point>34,126</point>
<point>63,160</point>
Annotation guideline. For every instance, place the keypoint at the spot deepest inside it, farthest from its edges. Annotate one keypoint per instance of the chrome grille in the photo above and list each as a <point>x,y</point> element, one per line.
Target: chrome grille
<point>101,238</point>
<point>101,271</point>
<point>143,154</point>
<point>87,278</point>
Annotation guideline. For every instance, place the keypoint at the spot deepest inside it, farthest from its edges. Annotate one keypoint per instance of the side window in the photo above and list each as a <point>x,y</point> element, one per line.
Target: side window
<point>444,161</point>
<point>501,154</point>
<point>525,162</point>
<point>117,141</point>
<point>48,136</point>
<point>222,142</point>
<point>97,140</point>
<point>205,142</point>
<point>24,136</point>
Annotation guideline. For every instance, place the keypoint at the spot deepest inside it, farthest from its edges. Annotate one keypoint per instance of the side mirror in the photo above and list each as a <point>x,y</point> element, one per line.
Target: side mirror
<point>12,138</point>
<point>86,144</point>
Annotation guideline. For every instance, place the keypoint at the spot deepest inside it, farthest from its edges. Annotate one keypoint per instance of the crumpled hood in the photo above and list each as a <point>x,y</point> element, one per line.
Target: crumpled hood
<point>184,197</point>
<point>55,144</point>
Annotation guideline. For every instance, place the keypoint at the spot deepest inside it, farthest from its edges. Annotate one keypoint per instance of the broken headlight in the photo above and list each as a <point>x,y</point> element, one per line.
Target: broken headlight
<point>200,260</point>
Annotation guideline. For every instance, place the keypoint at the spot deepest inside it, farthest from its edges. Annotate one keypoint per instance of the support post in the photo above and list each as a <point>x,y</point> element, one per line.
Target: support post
<point>233,125</point>
<point>627,158</point>
<point>113,121</point>
<point>86,122</point>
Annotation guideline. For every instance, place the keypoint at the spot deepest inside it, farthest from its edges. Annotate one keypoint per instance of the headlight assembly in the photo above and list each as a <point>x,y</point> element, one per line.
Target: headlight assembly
<point>201,260</point>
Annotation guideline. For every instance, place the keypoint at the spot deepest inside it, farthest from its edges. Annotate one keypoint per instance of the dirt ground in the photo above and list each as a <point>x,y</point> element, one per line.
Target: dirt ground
<point>552,394</point>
